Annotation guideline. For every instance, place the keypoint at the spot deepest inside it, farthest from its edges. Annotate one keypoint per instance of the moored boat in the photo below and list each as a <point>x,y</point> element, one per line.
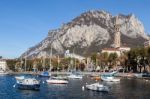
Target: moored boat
<point>75,75</point>
<point>60,77</point>
<point>97,87</point>
<point>20,77</point>
<point>45,74</point>
<point>28,84</point>
<point>109,77</point>
<point>56,81</point>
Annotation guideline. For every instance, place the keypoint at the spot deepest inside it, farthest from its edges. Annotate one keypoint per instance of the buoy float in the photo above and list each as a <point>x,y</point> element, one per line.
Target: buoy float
<point>14,86</point>
<point>83,88</point>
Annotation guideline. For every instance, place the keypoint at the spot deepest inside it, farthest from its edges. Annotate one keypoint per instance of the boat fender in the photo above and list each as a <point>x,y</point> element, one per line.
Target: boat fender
<point>83,88</point>
<point>146,80</point>
<point>27,82</point>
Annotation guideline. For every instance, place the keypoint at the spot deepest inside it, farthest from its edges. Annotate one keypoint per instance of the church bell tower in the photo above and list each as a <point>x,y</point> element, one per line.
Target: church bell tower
<point>117,33</point>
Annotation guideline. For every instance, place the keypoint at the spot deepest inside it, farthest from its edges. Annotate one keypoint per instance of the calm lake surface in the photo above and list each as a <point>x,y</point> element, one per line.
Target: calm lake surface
<point>126,89</point>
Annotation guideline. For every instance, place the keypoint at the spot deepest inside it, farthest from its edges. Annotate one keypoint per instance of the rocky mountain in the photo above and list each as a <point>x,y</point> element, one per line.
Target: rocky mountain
<point>90,32</point>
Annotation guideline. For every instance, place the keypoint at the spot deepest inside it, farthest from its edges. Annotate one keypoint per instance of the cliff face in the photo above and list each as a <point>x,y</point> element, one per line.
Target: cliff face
<point>90,32</point>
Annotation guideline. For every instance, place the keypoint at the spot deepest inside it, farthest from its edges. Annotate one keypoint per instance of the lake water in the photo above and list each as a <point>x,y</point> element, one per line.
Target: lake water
<point>126,89</point>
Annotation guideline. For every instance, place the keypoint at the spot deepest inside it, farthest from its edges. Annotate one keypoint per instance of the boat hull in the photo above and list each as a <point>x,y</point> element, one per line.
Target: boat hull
<point>44,75</point>
<point>57,81</point>
<point>75,77</point>
<point>60,78</point>
<point>28,87</point>
<point>97,87</point>
<point>110,79</point>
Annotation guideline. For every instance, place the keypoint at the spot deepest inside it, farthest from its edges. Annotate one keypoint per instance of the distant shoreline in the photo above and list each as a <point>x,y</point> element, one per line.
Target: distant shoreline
<point>65,73</point>
<point>85,73</point>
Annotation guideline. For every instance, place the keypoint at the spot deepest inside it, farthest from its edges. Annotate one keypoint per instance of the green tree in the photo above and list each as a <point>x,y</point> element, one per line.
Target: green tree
<point>104,59</point>
<point>112,59</point>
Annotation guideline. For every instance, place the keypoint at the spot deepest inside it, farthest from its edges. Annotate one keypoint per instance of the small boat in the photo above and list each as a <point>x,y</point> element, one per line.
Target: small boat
<point>96,78</point>
<point>145,74</point>
<point>97,87</point>
<point>75,75</point>
<point>56,81</point>
<point>28,84</point>
<point>60,77</point>
<point>45,74</point>
<point>20,77</point>
<point>109,77</point>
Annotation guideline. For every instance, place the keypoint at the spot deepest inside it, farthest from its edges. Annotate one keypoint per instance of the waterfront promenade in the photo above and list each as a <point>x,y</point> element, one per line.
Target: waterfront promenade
<point>65,73</point>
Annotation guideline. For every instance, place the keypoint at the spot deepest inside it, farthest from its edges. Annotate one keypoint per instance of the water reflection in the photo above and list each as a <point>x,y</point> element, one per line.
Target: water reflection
<point>125,89</point>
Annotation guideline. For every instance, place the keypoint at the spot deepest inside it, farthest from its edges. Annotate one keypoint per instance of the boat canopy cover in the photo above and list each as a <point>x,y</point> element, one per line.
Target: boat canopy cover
<point>45,73</point>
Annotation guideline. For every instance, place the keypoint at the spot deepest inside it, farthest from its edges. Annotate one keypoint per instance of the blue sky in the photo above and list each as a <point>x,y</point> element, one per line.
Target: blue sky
<point>24,23</point>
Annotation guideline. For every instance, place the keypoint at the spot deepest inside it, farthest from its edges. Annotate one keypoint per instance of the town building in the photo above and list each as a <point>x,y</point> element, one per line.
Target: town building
<point>3,65</point>
<point>147,43</point>
<point>73,55</point>
<point>117,34</point>
<point>117,47</point>
<point>111,50</point>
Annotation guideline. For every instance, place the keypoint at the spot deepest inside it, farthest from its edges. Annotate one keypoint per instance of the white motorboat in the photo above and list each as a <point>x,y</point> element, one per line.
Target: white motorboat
<point>97,87</point>
<point>109,77</point>
<point>60,77</point>
<point>56,81</point>
<point>28,84</point>
<point>73,76</point>
<point>138,75</point>
<point>20,77</point>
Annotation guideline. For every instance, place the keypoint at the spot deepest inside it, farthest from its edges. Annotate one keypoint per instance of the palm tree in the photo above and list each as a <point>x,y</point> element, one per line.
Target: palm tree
<point>123,59</point>
<point>104,59</point>
<point>112,59</point>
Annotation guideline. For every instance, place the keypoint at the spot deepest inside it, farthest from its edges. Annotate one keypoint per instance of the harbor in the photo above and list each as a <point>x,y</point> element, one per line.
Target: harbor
<point>127,88</point>
<point>72,49</point>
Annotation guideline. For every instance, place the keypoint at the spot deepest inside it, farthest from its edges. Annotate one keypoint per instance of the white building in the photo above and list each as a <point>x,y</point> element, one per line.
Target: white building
<point>3,65</point>
<point>124,49</point>
<point>73,55</point>
<point>111,50</point>
<point>119,51</point>
<point>147,43</point>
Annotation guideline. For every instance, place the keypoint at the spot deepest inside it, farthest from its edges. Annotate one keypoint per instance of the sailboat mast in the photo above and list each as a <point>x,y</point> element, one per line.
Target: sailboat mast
<point>43,63</point>
<point>25,61</point>
<point>21,63</point>
<point>50,58</point>
<point>74,60</point>
<point>58,63</point>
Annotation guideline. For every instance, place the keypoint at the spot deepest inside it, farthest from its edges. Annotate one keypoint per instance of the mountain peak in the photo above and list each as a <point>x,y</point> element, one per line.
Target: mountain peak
<point>90,32</point>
